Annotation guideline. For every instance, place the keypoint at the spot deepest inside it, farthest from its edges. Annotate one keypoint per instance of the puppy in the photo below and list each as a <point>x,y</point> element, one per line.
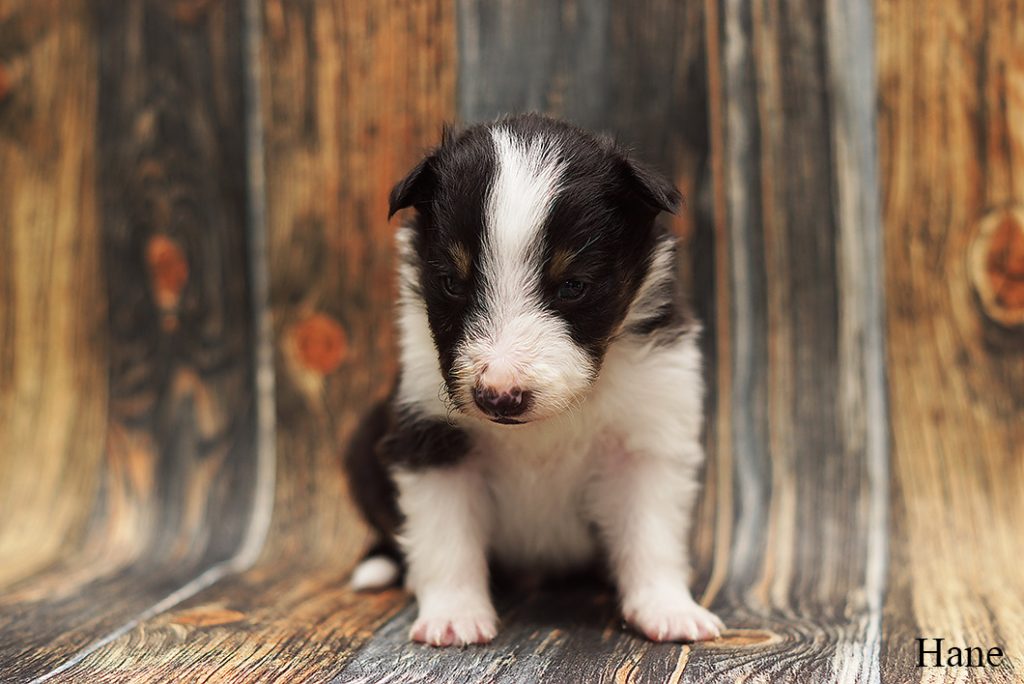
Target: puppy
<point>549,404</point>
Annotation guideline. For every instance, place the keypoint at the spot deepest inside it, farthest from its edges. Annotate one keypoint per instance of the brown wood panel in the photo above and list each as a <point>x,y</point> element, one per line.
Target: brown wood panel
<point>801,428</point>
<point>355,92</point>
<point>127,380</point>
<point>53,377</point>
<point>352,94</point>
<point>951,126</point>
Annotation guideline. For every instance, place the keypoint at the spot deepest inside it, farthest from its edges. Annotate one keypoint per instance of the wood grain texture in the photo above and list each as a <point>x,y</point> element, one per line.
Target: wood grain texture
<point>352,94</point>
<point>149,166</point>
<point>951,124</point>
<point>129,173</point>
<point>53,378</point>
<point>801,405</point>
<point>355,93</point>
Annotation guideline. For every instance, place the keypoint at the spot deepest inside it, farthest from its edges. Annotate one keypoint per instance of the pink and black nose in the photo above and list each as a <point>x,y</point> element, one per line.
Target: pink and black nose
<point>502,405</point>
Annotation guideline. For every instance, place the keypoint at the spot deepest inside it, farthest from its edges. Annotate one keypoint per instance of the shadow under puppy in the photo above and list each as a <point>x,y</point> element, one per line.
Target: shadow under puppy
<point>549,404</point>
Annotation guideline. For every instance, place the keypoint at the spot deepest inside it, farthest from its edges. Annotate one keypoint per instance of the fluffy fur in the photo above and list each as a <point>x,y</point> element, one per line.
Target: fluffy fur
<point>549,406</point>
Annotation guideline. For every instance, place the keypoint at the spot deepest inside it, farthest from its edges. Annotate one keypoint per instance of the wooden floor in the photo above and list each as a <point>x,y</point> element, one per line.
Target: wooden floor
<point>195,289</point>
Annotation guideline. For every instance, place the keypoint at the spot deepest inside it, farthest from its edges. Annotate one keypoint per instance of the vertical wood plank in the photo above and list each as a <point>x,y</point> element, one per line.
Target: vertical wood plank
<point>172,175</point>
<point>353,93</point>
<point>53,362</point>
<point>145,100</point>
<point>951,114</point>
<point>800,373</point>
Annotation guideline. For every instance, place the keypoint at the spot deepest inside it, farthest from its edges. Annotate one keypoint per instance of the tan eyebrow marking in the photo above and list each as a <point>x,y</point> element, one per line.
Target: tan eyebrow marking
<point>560,262</point>
<point>461,258</point>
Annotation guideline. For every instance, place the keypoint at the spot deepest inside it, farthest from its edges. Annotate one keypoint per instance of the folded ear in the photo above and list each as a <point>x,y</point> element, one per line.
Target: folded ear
<point>653,189</point>
<point>414,188</point>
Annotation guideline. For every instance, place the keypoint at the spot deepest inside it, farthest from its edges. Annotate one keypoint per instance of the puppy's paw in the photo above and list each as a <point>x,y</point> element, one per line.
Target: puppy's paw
<point>672,619</point>
<point>455,623</point>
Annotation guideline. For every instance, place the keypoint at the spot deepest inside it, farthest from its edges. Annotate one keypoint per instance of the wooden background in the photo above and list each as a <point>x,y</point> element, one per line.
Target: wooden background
<point>195,289</point>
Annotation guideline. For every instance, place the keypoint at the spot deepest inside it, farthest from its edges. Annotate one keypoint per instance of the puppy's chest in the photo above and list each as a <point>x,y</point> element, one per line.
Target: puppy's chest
<point>542,499</point>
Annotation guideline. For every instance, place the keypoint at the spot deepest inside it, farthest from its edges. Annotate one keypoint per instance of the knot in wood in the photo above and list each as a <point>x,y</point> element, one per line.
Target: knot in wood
<point>168,271</point>
<point>321,343</point>
<point>997,266</point>
<point>6,82</point>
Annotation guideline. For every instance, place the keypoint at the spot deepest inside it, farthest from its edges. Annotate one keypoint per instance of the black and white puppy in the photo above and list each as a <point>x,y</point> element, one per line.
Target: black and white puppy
<point>549,404</point>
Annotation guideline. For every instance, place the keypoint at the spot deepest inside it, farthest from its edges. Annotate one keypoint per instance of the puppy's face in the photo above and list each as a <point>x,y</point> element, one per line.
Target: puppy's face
<point>531,242</point>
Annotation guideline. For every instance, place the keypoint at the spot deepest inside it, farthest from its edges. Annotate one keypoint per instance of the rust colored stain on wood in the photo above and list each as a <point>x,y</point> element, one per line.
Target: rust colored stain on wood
<point>191,11</point>
<point>997,266</point>
<point>321,343</point>
<point>168,270</point>
<point>1005,263</point>
<point>5,83</point>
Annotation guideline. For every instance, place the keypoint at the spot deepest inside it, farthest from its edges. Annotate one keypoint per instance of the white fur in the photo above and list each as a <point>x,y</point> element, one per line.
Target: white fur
<point>625,460</point>
<point>376,572</point>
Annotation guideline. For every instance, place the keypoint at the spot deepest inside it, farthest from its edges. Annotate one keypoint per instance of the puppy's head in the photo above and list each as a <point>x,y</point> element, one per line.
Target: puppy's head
<point>531,242</point>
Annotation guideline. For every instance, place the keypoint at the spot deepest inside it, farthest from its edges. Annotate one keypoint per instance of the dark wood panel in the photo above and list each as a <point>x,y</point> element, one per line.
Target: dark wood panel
<point>173,184</point>
<point>801,406</point>
<point>140,227</point>
<point>951,125</point>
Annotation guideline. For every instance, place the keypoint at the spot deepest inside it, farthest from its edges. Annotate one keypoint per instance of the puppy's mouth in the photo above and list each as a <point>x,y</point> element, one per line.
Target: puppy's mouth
<point>508,421</point>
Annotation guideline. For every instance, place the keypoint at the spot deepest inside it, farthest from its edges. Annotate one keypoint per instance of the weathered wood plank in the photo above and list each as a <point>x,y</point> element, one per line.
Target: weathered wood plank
<point>799,363</point>
<point>356,91</point>
<point>150,178</point>
<point>173,187</point>
<point>256,627</point>
<point>53,377</point>
<point>353,92</point>
<point>951,120</point>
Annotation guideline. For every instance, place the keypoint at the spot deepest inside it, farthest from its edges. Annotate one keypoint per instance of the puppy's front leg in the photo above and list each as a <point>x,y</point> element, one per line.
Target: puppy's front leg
<point>644,504</point>
<point>444,539</point>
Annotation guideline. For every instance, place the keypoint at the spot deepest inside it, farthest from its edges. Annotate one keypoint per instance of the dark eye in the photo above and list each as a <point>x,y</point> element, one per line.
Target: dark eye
<point>453,287</point>
<point>571,290</point>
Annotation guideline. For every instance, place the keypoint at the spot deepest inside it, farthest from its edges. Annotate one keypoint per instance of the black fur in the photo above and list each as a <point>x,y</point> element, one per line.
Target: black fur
<point>372,488</point>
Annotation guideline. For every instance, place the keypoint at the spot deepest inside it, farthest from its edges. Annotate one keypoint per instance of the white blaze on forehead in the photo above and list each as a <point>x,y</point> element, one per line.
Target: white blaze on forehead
<point>513,340</point>
<point>526,184</point>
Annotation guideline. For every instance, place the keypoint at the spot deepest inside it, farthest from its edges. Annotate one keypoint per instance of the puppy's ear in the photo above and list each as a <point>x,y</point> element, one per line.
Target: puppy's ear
<point>653,189</point>
<point>414,188</point>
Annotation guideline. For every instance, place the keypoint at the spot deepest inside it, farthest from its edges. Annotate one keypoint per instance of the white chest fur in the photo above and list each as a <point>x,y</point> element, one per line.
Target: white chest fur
<point>538,489</point>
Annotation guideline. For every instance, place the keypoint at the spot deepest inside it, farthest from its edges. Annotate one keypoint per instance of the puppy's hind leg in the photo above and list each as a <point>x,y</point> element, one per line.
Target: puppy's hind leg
<point>375,496</point>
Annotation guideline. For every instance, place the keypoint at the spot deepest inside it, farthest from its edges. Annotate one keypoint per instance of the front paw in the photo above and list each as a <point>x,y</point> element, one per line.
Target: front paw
<point>662,618</point>
<point>455,623</point>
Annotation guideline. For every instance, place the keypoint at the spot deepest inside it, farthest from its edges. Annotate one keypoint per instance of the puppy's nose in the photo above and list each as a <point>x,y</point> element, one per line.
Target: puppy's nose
<point>501,403</point>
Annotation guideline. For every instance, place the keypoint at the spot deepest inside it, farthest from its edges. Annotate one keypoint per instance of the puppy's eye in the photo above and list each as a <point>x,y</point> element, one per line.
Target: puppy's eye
<point>453,287</point>
<point>571,290</point>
